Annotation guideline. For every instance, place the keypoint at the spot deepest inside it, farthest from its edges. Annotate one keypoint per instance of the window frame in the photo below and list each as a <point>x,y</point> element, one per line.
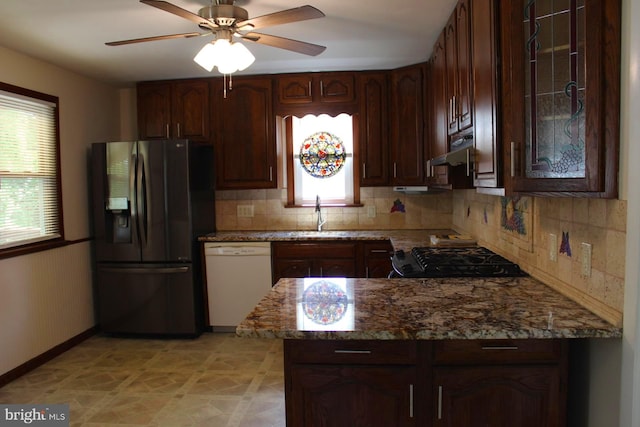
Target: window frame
<point>288,139</point>
<point>48,243</point>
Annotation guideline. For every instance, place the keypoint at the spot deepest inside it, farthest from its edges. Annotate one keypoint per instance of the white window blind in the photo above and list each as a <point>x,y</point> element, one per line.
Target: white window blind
<point>29,205</point>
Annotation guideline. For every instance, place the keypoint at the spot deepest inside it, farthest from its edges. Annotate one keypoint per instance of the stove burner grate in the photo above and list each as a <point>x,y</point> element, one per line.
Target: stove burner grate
<point>473,261</point>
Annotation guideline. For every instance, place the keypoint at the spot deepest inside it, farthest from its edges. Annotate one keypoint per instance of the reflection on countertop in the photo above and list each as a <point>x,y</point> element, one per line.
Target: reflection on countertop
<point>430,309</point>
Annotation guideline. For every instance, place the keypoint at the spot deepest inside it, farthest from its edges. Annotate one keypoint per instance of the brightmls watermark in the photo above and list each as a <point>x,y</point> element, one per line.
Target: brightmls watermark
<point>36,415</point>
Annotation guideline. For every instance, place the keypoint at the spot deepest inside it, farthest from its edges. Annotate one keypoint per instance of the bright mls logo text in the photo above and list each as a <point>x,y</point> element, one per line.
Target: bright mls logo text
<point>42,415</point>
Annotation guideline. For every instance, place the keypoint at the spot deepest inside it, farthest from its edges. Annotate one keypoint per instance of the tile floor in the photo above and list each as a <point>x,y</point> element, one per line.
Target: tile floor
<point>216,380</point>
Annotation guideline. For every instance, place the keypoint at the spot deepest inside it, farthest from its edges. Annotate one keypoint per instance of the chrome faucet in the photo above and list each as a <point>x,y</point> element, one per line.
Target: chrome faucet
<point>321,221</point>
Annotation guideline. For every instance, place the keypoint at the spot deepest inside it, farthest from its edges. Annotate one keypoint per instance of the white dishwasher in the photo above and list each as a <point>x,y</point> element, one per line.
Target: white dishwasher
<point>238,276</point>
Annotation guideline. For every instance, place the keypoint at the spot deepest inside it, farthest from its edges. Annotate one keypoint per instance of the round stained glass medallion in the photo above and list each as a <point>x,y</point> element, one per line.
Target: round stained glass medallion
<point>324,302</point>
<point>322,155</point>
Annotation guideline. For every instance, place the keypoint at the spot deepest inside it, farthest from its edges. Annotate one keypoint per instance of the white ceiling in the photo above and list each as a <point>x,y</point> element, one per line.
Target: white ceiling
<point>359,35</point>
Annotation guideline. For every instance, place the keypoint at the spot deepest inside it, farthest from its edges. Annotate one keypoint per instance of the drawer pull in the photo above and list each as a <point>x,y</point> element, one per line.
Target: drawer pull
<point>352,351</point>
<point>500,347</point>
<point>439,402</point>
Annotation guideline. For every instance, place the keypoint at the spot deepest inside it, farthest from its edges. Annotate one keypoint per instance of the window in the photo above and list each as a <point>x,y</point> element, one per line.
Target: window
<point>30,207</point>
<point>321,160</point>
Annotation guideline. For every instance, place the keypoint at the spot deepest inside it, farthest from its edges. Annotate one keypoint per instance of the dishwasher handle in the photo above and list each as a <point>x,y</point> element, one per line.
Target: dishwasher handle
<point>237,250</point>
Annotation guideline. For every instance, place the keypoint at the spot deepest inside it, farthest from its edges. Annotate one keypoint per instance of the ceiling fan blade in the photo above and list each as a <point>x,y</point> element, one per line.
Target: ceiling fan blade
<point>284,43</point>
<point>151,39</point>
<point>301,13</point>
<point>183,13</point>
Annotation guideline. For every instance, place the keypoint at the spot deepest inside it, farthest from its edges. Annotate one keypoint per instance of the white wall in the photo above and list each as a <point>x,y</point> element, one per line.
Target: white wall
<point>630,154</point>
<point>47,297</point>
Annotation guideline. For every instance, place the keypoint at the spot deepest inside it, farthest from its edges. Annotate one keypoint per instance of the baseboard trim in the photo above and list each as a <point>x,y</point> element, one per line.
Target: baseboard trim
<point>45,357</point>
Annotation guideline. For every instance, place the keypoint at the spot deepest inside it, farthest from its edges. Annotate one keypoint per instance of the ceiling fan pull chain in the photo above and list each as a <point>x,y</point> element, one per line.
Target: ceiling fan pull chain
<point>224,83</point>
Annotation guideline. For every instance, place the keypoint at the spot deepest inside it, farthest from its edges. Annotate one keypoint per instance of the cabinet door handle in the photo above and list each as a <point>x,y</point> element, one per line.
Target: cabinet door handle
<point>270,173</point>
<point>178,130</point>
<point>395,170</point>
<point>321,89</point>
<point>410,400</point>
<point>352,351</point>
<point>310,88</point>
<point>513,159</point>
<point>468,161</point>
<point>364,170</point>
<point>500,347</point>
<point>439,402</point>
<point>428,168</point>
<point>366,272</point>
<point>167,131</point>
<point>309,272</point>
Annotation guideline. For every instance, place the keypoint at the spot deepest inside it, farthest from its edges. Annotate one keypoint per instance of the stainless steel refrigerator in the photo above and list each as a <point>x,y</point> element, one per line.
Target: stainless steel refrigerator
<point>151,200</point>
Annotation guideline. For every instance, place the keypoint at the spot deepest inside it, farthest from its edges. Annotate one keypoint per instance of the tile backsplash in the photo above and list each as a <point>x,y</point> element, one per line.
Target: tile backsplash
<point>382,209</point>
<point>522,229</point>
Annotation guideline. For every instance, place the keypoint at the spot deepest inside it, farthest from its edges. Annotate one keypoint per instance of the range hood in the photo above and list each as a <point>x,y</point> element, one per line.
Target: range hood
<point>461,153</point>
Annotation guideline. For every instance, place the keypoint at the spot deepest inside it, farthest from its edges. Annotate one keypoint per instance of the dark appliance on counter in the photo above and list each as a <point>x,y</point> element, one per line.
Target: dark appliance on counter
<point>468,261</point>
<point>151,200</point>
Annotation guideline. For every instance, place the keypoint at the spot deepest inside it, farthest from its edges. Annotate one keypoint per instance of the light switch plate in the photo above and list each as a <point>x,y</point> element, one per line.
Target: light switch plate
<point>371,211</point>
<point>585,258</point>
<point>553,247</point>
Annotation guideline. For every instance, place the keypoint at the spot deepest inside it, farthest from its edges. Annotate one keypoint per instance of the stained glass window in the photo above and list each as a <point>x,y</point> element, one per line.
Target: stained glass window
<point>322,148</point>
<point>322,155</point>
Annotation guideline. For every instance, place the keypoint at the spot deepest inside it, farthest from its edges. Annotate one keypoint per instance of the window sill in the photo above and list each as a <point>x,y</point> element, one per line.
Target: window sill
<point>32,248</point>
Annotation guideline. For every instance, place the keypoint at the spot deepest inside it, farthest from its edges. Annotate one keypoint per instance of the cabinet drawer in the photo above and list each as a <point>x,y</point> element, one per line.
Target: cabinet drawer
<point>498,351</point>
<point>382,249</point>
<point>364,352</point>
<point>315,250</point>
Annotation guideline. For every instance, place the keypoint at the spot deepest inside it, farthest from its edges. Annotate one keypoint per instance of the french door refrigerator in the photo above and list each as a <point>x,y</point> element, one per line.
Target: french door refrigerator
<point>151,200</point>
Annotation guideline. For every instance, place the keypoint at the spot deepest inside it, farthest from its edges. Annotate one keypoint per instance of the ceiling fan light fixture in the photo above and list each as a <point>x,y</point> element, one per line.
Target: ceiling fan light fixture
<point>227,56</point>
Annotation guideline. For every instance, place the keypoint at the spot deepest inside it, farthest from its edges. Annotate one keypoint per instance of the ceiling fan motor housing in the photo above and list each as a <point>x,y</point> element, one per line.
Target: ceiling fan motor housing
<point>224,15</point>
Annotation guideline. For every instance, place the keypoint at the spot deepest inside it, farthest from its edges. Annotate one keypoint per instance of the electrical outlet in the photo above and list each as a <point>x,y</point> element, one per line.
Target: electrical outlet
<point>553,247</point>
<point>585,257</point>
<point>245,211</point>
<point>371,211</point>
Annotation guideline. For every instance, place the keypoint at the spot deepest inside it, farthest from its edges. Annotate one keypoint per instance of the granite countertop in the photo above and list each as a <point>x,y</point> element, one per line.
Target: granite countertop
<point>420,309</point>
<point>400,239</point>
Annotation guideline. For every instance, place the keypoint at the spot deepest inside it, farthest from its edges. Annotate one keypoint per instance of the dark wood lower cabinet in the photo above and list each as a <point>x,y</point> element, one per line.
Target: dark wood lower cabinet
<point>466,383</point>
<point>523,396</point>
<point>351,396</point>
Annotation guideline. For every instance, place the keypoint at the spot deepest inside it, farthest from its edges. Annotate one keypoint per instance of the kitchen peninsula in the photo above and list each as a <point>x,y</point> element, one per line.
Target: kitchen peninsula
<point>423,352</point>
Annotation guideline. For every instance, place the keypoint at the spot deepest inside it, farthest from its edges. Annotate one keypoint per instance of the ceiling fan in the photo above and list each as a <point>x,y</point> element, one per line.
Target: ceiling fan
<point>224,20</point>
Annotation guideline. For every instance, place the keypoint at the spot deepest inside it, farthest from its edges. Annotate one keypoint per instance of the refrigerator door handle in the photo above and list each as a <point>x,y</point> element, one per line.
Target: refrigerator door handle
<point>141,200</point>
<point>139,270</point>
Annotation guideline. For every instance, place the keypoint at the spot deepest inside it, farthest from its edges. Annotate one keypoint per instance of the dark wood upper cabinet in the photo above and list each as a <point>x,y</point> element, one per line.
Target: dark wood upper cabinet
<point>561,97</point>
<point>459,73</point>
<point>438,113</point>
<point>316,93</point>
<point>177,109</point>
<point>244,134</point>
<point>488,167</point>
<point>407,125</point>
<point>373,132</point>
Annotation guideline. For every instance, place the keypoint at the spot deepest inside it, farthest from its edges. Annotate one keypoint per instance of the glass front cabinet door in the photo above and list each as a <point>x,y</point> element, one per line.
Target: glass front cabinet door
<point>561,96</point>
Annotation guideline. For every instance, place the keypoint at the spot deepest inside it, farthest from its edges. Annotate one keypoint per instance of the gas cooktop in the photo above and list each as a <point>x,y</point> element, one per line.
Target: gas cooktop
<point>471,261</point>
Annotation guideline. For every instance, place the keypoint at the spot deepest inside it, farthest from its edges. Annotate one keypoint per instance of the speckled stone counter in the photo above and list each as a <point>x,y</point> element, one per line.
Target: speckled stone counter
<point>400,239</point>
<point>420,309</point>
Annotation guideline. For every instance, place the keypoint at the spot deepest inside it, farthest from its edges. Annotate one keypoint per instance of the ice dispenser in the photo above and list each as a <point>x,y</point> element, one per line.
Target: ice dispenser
<point>118,188</point>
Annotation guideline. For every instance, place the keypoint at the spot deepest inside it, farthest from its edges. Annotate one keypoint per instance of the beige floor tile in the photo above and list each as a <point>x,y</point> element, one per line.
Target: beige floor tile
<point>216,380</point>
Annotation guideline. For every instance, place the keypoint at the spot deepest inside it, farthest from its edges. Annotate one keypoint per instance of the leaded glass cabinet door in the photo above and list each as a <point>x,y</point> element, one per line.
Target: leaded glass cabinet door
<point>561,79</point>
